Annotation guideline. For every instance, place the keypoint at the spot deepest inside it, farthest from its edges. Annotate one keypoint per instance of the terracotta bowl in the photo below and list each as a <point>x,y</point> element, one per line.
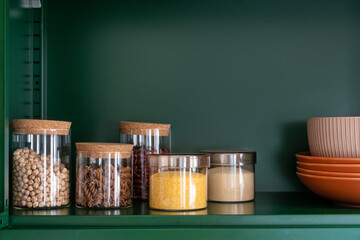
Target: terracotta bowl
<point>339,189</point>
<point>334,137</point>
<point>307,157</point>
<point>343,168</point>
<point>329,174</point>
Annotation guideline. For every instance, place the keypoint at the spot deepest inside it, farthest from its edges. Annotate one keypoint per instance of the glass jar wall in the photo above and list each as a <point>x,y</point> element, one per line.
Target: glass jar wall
<point>178,182</point>
<point>231,177</point>
<point>40,163</point>
<point>147,138</point>
<point>103,175</point>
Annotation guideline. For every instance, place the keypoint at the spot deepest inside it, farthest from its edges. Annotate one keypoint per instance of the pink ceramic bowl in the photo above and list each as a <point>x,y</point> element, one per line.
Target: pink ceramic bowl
<point>334,137</point>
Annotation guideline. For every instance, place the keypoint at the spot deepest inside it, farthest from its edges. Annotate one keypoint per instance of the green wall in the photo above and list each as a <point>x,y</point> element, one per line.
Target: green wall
<point>226,74</point>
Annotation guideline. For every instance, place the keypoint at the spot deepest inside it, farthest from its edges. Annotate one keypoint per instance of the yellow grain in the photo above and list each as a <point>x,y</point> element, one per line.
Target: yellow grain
<point>178,190</point>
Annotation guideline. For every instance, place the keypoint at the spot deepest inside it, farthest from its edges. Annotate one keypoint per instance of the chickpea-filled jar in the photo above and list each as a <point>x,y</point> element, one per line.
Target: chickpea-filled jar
<point>103,175</point>
<point>147,138</point>
<point>40,163</point>
<point>231,177</point>
<point>178,182</point>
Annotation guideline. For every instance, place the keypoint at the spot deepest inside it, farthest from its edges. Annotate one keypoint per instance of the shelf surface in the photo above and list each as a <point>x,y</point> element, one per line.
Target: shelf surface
<point>283,209</point>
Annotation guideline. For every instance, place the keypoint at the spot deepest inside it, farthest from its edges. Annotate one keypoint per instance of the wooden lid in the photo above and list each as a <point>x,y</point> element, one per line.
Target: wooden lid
<point>35,126</point>
<point>140,128</point>
<point>104,150</point>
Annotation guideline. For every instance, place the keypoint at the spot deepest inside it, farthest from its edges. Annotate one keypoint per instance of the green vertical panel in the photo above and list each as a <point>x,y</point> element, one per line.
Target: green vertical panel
<point>25,60</point>
<point>23,65</point>
<point>4,127</point>
<point>226,74</point>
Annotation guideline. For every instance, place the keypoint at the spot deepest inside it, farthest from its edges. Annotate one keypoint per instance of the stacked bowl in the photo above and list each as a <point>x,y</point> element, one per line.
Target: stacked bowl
<point>332,167</point>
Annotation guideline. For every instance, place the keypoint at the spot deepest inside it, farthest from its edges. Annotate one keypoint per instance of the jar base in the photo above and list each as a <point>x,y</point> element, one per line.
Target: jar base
<point>245,201</point>
<point>102,208</point>
<point>38,208</point>
<point>177,210</point>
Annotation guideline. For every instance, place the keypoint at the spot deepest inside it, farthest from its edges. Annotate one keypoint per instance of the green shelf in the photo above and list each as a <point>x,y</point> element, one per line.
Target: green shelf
<point>286,209</point>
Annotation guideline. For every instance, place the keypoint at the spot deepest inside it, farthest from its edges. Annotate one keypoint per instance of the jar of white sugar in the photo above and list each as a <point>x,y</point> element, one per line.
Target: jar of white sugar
<point>231,177</point>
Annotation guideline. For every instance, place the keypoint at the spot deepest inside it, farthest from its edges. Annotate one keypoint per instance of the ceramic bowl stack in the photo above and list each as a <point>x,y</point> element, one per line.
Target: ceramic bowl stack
<point>332,167</point>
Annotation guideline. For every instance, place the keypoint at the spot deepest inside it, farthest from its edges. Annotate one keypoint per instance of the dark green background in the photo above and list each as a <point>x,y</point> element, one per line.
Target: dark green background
<point>226,74</point>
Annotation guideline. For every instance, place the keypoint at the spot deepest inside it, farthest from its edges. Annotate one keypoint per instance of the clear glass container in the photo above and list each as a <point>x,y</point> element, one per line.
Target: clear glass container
<point>231,177</point>
<point>178,182</point>
<point>103,175</point>
<point>147,138</point>
<point>179,213</point>
<point>219,208</point>
<point>40,164</point>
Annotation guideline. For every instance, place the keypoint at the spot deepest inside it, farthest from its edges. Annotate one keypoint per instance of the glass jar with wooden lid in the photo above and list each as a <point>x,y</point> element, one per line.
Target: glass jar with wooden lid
<point>147,138</point>
<point>40,163</point>
<point>103,175</point>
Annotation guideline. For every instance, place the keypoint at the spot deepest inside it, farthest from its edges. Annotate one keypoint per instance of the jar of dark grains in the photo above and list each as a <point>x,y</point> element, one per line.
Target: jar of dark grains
<point>103,175</point>
<point>147,138</point>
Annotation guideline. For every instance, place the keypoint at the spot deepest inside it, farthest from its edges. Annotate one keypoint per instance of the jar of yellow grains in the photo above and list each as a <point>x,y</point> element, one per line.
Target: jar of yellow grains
<point>178,182</point>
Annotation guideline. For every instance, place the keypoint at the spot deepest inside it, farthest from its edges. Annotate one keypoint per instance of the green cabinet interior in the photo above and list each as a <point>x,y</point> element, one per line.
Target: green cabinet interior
<point>226,74</point>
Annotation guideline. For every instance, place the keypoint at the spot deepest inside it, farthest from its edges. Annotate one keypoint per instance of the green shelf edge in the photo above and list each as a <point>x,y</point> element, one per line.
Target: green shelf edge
<point>181,234</point>
<point>215,221</point>
<point>272,210</point>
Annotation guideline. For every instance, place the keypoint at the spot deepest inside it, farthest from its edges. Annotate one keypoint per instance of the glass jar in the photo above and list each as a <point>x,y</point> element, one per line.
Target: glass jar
<point>103,175</point>
<point>179,213</point>
<point>147,138</point>
<point>40,163</point>
<point>244,208</point>
<point>231,177</point>
<point>178,182</point>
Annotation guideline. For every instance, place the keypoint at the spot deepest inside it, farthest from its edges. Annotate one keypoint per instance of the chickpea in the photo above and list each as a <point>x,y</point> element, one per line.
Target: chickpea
<point>39,180</point>
<point>36,172</point>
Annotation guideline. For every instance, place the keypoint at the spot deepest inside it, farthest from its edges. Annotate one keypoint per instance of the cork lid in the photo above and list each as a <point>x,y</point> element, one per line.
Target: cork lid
<point>104,150</point>
<point>140,128</point>
<point>35,126</point>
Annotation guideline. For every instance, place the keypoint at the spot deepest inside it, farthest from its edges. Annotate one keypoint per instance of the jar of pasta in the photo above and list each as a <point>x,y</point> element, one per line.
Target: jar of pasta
<point>178,182</point>
<point>40,163</point>
<point>103,175</point>
<point>147,138</point>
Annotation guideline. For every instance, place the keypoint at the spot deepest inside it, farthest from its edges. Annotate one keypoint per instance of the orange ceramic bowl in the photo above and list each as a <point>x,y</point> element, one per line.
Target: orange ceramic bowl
<point>338,189</point>
<point>306,157</point>
<point>329,174</point>
<point>343,168</point>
